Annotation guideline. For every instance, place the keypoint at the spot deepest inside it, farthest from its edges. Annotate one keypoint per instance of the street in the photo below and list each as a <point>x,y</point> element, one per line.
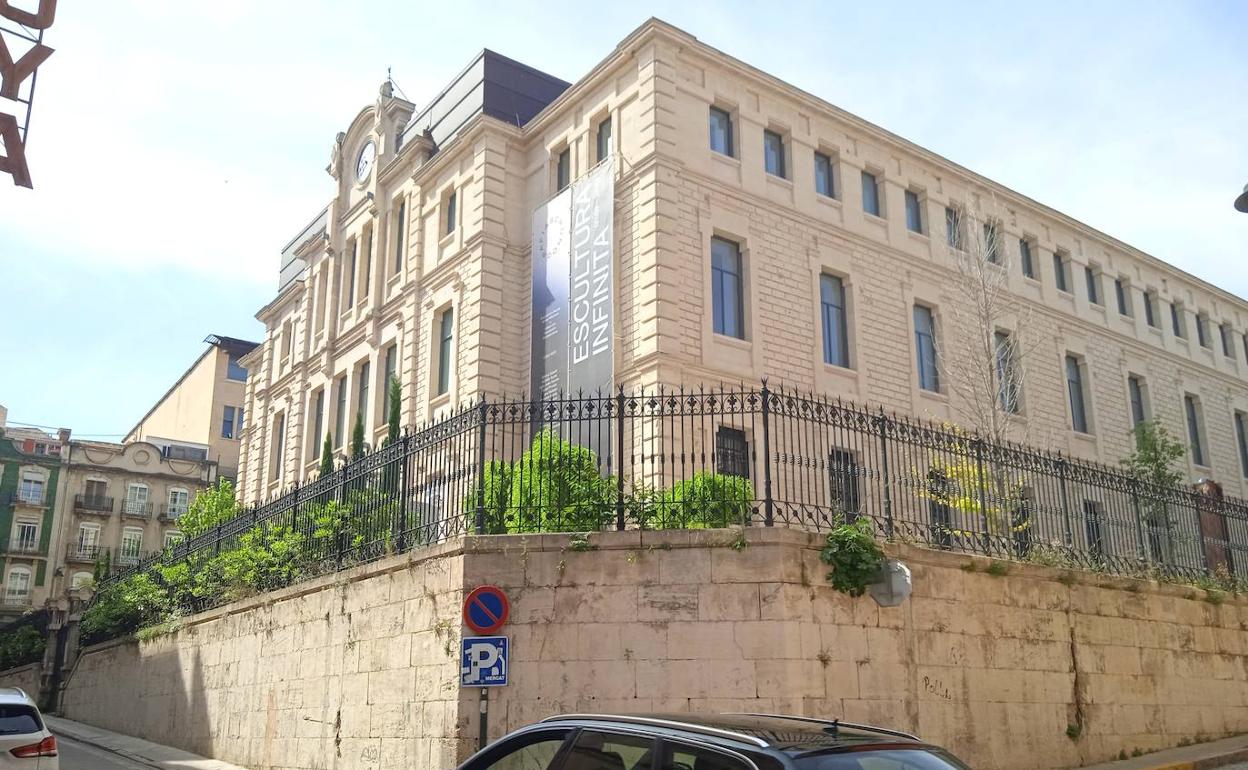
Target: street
<point>80,756</point>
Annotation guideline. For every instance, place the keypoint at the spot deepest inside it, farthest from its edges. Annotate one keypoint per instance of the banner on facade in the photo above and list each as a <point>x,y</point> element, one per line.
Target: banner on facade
<point>573,288</point>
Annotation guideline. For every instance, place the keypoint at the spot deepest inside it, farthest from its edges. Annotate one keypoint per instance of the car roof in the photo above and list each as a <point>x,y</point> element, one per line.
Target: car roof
<point>15,695</point>
<point>788,734</point>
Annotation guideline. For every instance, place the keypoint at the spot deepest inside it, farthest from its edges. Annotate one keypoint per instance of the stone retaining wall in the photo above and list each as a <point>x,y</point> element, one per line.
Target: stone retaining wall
<point>1034,668</point>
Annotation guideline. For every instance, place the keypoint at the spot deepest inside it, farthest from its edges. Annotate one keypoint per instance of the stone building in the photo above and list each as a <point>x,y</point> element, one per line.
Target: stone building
<point>122,503</point>
<point>758,231</point>
<point>201,416</point>
<point>31,484</point>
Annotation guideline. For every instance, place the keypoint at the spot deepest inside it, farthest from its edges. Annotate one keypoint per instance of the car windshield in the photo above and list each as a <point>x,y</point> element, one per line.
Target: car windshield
<point>16,719</point>
<point>884,759</point>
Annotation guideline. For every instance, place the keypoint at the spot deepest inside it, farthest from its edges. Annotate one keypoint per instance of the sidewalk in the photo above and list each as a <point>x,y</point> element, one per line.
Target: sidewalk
<point>134,749</point>
<point>1197,757</point>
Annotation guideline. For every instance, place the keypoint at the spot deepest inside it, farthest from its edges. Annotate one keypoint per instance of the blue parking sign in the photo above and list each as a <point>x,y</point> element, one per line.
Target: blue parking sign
<point>483,661</point>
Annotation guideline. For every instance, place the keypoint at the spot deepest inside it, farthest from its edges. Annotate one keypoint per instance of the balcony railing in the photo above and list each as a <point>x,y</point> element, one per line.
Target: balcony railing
<point>136,509</point>
<point>23,546</point>
<point>129,558</point>
<point>84,554</point>
<point>27,497</point>
<point>93,504</point>
<point>17,598</point>
<point>171,511</point>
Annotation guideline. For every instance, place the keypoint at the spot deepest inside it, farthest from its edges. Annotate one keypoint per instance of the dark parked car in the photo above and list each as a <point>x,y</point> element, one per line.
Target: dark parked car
<point>707,742</point>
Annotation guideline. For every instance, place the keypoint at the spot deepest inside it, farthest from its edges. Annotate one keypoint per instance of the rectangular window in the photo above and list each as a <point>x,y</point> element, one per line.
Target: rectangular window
<point>1078,396</point>
<point>96,490</point>
<point>603,140</point>
<point>279,446</point>
<point>1228,348</point>
<point>1241,441</point>
<point>843,474</point>
<point>351,275</point>
<point>368,264</point>
<point>451,216</point>
<point>953,227</point>
<point>1024,258</point>
<point>1195,430</point>
<point>1202,330</point>
<point>925,348</point>
<point>1094,284</point>
<point>773,153</point>
<point>1150,309</point>
<point>1135,393</point>
<point>400,234</point>
<point>172,538</point>
<point>727,295</point>
<point>179,499</point>
<point>361,393</point>
<point>1123,293</point>
<point>88,539</point>
<point>824,183</point>
<point>1061,272</point>
<point>1176,321</point>
<point>318,423</point>
<point>870,193</point>
<point>391,359</point>
<point>234,370</point>
<point>131,545</point>
<point>990,242</point>
<point>30,490</point>
<point>227,423</point>
<point>1009,384</point>
<point>721,131</point>
<point>914,212</point>
<point>835,332</point>
<point>732,452</point>
<point>1245,340</point>
<point>563,169</point>
<point>340,411</point>
<point>26,536</point>
<point>446,330</point>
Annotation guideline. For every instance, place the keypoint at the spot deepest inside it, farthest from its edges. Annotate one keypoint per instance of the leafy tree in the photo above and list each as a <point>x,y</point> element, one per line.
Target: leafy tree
<point>392,419</point>
<point>327,457</point>
<point>975,495</point>
<point>209,508</point>
<point>1153,463</point>
<point>21,646</point>
<point>704,501</point>
<point>357,437</point>
<point>124,608</point>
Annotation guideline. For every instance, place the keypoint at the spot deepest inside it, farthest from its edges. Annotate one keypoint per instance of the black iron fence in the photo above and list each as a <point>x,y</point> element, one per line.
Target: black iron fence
<point>709,458</point>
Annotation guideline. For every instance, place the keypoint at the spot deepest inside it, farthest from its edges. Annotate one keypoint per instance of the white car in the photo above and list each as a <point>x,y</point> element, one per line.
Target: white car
<point>25,742</point>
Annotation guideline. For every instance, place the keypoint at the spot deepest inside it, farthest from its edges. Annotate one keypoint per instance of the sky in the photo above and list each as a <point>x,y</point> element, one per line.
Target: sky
<point>176,147</point>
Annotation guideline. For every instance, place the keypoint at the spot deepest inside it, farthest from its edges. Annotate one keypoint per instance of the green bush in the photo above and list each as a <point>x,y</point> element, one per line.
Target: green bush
<point>704,501</point>
<point>555,486</point>
<point>21,646</point>
<point>853,554</point>
<point>124,608</point>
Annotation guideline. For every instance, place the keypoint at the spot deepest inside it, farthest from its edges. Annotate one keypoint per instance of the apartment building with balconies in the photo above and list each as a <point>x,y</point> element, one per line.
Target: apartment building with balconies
<point>32,464</point>
<point>759,231</point>
<point>122,503</point>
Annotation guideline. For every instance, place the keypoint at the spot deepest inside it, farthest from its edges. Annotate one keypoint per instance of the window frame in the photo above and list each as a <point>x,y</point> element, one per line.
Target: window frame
<point>446,345</point>
<point>1009,381</point>
<point>318,422</point>
<point>1240,423</point>
<point>1061,271</point>
<point>227,419</point>
<point>1026,259</point>
<point>914,211</point>
<point>563,169</point>
<point>719,318</point>
<point>925,347</point>
<point>991,230</point>
<point>450,212</point>
<point>735,457</point>
<point>1077,386</point>
<point>340,411</point>
<point>1150,309</point>
<point>1202,331</point>
<point>827,161</point>
<point>400,234</point>
<point>955,237</point>
<point>729,130</point>
<point>600,152</point>
<point>1095,284</point>
<point>838,348</point>
<point>1122,293</point>
<point>1197,441</point>
<point>873,180</point>
<point>1178,320</point>
<point>1226,332</point>
<point>780,169</point>
<point>1137,393</point>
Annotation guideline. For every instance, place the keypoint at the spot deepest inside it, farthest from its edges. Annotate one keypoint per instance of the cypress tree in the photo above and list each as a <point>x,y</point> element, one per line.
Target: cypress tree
<point>327,457</point>
<point>357,438</point>
<point>396,394</point>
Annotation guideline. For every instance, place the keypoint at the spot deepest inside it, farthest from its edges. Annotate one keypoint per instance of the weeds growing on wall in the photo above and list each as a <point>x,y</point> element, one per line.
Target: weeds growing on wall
<point>853,554</point>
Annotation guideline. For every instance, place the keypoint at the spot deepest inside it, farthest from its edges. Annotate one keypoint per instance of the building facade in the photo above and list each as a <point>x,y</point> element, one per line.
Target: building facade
<point>121,503</point>
<point>759,231</point>
<point>201,416</point>
<point>31,493</point>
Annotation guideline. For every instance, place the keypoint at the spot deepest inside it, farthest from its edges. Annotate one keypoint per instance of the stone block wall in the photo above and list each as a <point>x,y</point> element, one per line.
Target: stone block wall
<point>25,677</point>
<point>1034,668</point>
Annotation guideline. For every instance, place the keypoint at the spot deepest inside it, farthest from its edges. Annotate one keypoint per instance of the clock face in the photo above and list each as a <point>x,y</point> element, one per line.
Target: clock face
<point>364,164</point>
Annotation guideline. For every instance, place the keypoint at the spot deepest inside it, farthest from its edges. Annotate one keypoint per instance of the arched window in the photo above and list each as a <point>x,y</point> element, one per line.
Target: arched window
<point>82,579</point>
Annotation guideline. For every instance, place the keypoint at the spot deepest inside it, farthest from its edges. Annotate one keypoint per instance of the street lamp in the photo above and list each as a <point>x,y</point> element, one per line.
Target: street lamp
<point>1241,203</point>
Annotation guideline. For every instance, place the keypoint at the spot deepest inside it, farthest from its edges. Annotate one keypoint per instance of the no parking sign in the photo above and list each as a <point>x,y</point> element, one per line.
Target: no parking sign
<point>486,609</point>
